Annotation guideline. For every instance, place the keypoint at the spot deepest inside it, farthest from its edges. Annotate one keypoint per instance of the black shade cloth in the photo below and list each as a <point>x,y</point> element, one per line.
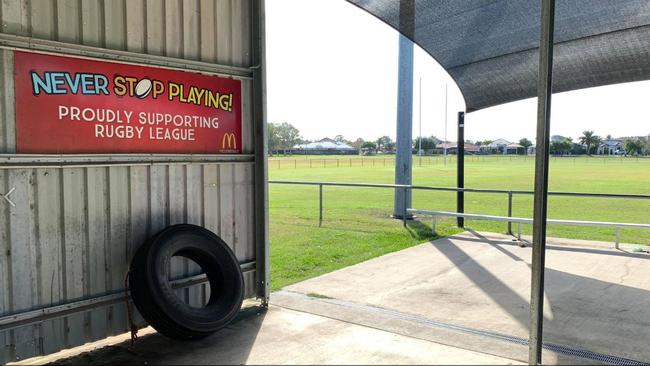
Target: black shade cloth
<point>490,47</point>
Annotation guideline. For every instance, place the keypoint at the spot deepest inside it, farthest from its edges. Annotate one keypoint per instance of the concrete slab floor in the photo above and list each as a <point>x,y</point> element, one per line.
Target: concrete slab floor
<point>597,298</point>
<point>275,336</point>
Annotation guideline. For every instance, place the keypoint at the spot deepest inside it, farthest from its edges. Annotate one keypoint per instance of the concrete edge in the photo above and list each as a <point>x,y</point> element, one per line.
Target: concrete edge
<point>385,322</point>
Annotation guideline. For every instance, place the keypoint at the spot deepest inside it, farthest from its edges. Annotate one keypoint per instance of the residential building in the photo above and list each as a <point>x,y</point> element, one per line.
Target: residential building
<point>452,147</point>
<point>324,147</point>
<point>611,147</point>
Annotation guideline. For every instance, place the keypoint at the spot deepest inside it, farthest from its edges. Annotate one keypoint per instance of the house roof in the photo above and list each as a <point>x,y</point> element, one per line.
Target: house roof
<point>453,145</point>
<point>514,146</point>
<point>324,145</point>
<point>611,142</point>
<point>499,142</point>
<point>490,47</point>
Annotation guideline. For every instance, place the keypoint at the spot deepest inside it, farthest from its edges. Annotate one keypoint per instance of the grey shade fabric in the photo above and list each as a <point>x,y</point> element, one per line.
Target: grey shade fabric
<point>490,47</point>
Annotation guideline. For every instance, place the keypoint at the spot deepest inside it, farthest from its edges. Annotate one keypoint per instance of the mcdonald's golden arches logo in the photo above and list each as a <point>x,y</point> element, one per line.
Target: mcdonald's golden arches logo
<point>229,141</point>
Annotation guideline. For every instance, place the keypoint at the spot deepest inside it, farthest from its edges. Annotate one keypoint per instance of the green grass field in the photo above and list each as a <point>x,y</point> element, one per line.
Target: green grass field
<point>357,224</point>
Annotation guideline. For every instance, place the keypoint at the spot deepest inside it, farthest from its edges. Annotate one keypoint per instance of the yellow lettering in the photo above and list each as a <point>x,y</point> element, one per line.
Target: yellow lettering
<point>191,98</point>
<point>212,100</point>
<point>158,88</point>
<point>225,102</point>
<point>118,86</point>
<point>181,97</point>
<point>174,90</point>
<point>131,80</point>
<point>200,93</point>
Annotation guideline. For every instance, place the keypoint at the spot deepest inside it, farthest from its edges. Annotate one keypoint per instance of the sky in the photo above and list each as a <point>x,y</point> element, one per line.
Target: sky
<point>333,70</point>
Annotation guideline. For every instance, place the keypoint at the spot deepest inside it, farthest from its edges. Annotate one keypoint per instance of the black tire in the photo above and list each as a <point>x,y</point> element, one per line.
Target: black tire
<point>154,297</point>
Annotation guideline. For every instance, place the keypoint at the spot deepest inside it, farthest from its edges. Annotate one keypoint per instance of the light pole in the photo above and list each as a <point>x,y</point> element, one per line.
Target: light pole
<point>445,144</point>
<point>420,117</point>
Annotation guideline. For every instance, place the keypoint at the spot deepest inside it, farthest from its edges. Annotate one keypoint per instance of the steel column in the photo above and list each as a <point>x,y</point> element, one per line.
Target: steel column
<point>544,91</point>
<point>404,143</point>
<point>262,274</point>
<point>460,168</point>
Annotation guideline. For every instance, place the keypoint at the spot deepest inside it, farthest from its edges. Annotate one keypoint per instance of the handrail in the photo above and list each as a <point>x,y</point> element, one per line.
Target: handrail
<point>524,220</point>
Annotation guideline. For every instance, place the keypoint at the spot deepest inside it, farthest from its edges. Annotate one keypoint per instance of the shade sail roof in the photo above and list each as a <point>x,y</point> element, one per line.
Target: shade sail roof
<point>490,47</point>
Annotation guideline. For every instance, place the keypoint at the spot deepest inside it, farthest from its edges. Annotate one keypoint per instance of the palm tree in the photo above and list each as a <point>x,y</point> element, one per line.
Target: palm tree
<point>589,139</point>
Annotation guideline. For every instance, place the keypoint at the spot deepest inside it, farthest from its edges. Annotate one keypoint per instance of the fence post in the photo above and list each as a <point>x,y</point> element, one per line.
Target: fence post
<point>510,212</point>
<point>618,237</point>
<point>350,162</point>
<point>320,205</point>
<point>337,162</point>
<point>278,164</point>
<point>295,163</point>
<point>433,226</point>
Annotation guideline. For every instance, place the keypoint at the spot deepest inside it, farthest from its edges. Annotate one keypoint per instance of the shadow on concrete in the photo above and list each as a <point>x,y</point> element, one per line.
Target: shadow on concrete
<point>587,313</point>
<point>483,278</point>
<point>495,245</point>
<point>231,345</point>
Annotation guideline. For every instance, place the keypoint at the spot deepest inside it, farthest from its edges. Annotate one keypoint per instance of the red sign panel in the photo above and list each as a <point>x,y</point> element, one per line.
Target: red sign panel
<point>73,105</point>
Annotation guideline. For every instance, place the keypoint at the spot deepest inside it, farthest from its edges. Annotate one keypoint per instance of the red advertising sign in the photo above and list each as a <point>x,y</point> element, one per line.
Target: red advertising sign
<point>73,105</point>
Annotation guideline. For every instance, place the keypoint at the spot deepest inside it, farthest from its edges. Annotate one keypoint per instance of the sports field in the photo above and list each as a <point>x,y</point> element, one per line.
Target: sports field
<point>357,224</point>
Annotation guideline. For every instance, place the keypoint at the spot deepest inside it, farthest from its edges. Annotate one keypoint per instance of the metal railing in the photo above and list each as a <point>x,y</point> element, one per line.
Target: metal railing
<point>509,193</point>
<point>522,220</point>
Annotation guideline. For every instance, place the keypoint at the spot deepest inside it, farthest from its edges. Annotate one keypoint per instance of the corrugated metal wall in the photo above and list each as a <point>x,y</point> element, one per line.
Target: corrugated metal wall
<point>74,229</point>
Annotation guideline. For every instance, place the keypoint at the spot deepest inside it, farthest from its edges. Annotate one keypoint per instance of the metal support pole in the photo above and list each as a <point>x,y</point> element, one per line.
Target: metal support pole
<point>258,38</point>
<point>460,168</point>
<point>618,237</point>
<point>510,212</point>
<point>544,91</point>
<point>404,139</point>
<point>320,205</point>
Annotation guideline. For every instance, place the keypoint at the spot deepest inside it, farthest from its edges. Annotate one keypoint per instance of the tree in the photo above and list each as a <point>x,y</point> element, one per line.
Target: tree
<point>339,138</point>
<point>369,145</point>
<point>561,147</point>
<point>428,143</point>
<point>390,147</point>
<point>358,143</point>
<point>287,135</point>
<point>577,149</point>
<point>589,140</point>
<point>526,143</point>
<point>274,141</point>
<point>383,141</point>
<point>633,146</point>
